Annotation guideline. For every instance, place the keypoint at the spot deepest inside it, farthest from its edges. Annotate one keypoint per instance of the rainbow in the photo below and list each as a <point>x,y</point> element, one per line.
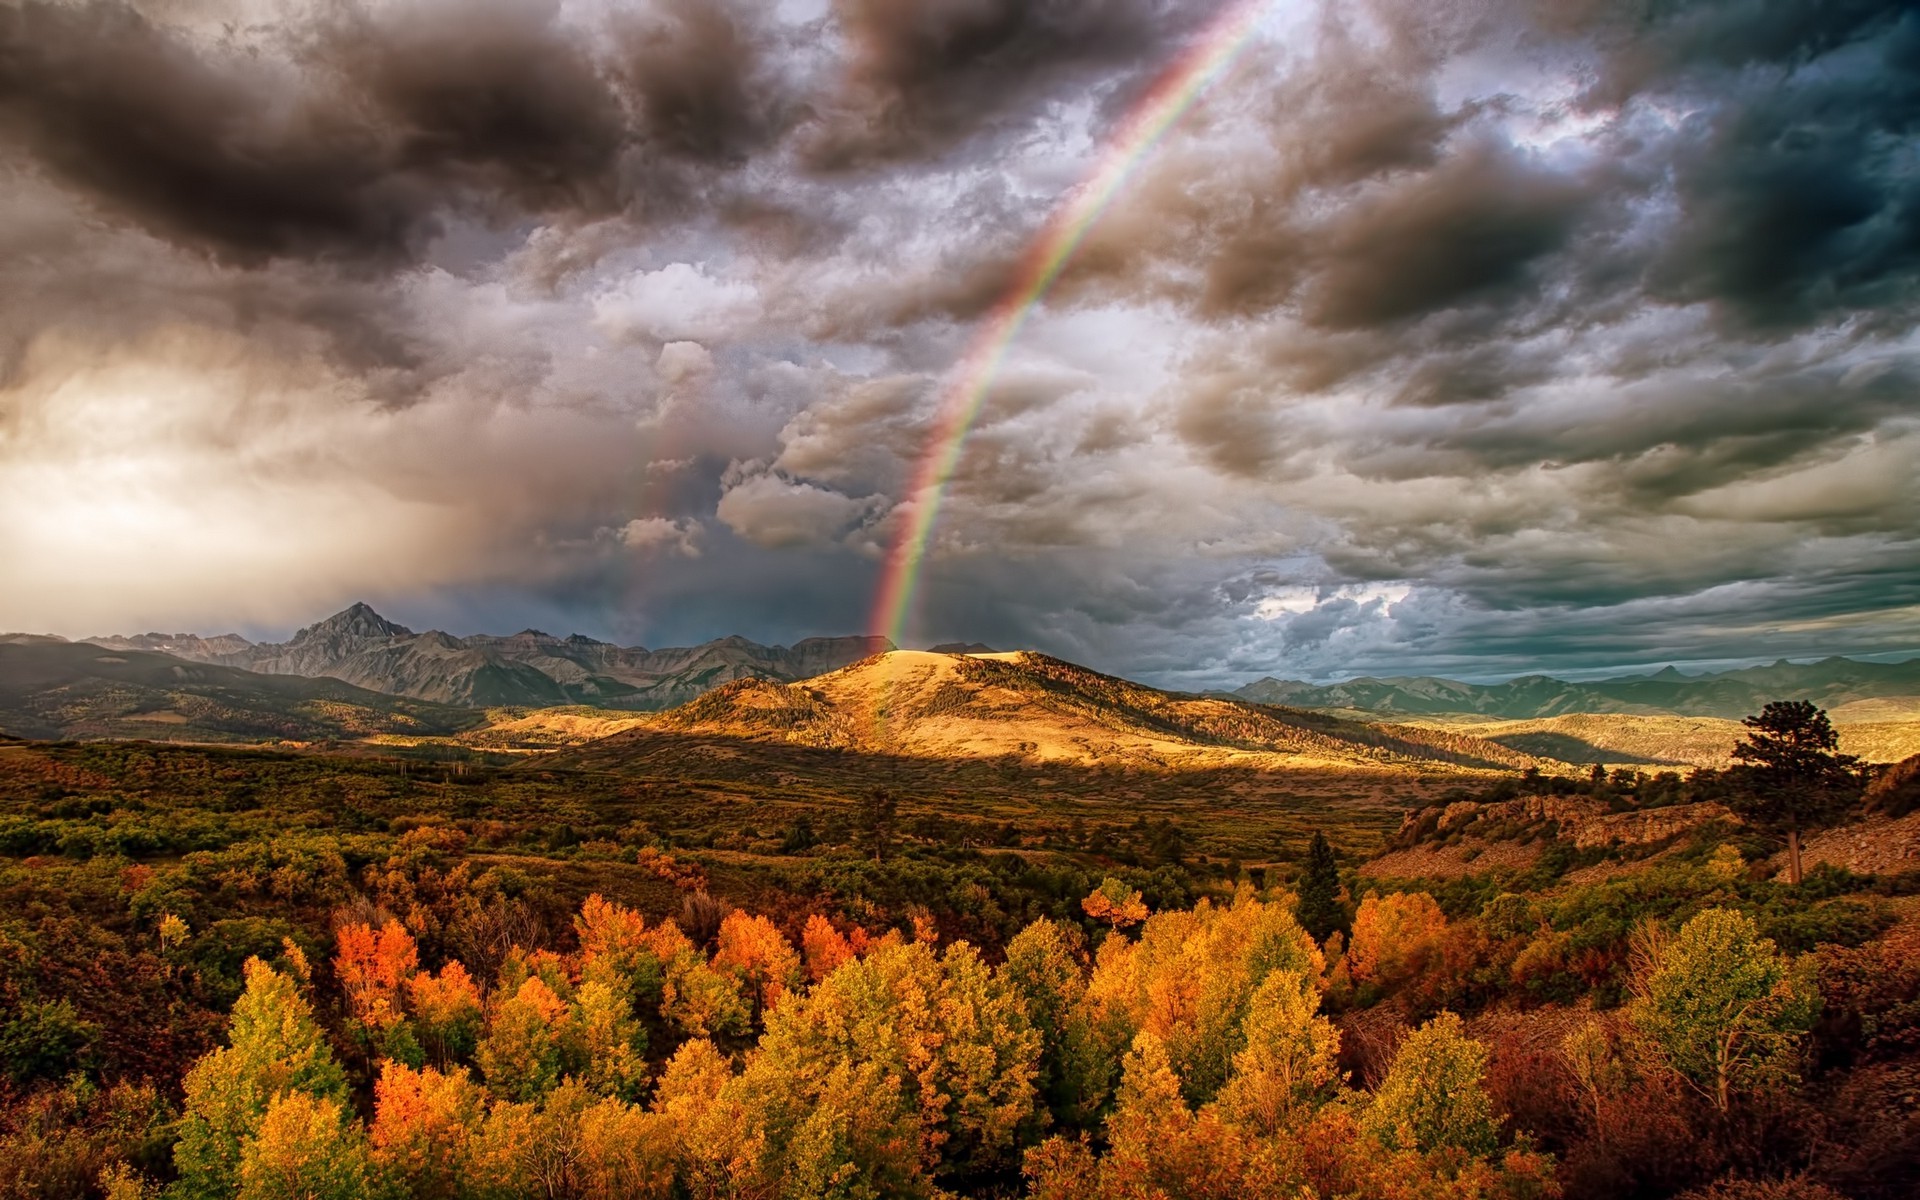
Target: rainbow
<point>1205,59</point>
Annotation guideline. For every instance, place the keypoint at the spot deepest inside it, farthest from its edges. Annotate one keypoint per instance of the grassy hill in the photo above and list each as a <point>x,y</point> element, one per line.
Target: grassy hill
<point>68,690</point>
<point>1627,739</point>
<point>1029,707</point>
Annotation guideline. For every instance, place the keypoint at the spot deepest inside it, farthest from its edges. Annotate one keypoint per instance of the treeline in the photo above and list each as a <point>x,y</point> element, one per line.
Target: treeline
<point>1215,1051</point>
<point>641,1064</point>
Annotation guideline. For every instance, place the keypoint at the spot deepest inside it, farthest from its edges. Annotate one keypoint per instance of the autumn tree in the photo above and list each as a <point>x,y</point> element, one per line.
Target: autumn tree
<point>823,947</point>
<point>1115,903</point>
<point>448,1011</point>
<point>305,1149</point>
<point>604,1044</point>
<point>753,951</point>
<point>695,999</point>
<point>1394,936</point>
<point>1433,1097</point>
<point>623,1152</point>
<point>1288,1063</point>
<point>372,966</point>
<point>1792,773</point>
<point>274,1048</point>
<point>424,1122</point>
<point>1318,908</point>
<point>1724,1008</point>
<point>895,1069</point>
<point>523,1053</point>
<point>1189,978</point>
<point>1159,1147</point>
<point>719,1151</point>
<point>617,948</point>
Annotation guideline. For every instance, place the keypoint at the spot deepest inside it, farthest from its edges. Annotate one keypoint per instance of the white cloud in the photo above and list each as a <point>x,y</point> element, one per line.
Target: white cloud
<point>680,536</point>
<point>773,512</point>
<point>679,302</point>
<point>1294,601</point>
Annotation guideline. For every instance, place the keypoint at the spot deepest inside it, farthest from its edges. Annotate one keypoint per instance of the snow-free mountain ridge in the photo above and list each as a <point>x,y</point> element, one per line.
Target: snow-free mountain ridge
<point>530,668</point>
<point>1829,683</point>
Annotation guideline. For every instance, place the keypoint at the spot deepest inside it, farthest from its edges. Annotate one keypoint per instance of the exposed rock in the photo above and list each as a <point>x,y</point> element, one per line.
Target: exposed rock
<point>1583,821</point>
<point>1876,846</point>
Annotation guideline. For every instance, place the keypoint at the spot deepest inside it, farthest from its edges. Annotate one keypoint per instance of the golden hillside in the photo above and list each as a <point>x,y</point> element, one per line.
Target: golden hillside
<point>1875,730</point>
<point>1028,706</point>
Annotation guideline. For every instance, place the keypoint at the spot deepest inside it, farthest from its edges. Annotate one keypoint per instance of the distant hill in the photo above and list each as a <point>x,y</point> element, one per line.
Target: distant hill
<point>73,690</point>
<point>527,669</point>
<point>921,704</point>
<point>1629,739</point>
<point>1728,695</point>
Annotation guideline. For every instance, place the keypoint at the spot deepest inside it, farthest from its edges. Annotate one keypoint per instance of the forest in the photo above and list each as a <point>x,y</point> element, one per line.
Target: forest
<point>228,973</point>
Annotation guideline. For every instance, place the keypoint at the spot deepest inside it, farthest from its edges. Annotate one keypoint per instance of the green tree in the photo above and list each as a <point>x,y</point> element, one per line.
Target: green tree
<point>1433,1098</point>
<point>877,816</point>
<point>1723,1007</point>
<point>275,1048</point>
<point>1075,1073</point>
<point>1319,909</point>
<point>1793,776</point>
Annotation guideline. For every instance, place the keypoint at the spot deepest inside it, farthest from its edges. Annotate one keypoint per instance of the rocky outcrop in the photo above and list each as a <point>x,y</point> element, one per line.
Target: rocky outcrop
<point>1876,846</point>
<point>1585,822</point>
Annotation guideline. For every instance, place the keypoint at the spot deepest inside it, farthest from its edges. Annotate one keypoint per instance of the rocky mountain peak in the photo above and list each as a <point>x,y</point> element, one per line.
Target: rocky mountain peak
<point>356,623</point>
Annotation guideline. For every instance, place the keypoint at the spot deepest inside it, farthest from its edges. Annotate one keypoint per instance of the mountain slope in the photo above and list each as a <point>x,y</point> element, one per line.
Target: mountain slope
<point>53,689</point>
<point>1022,705</point>
<point>1628,739</point>
<point>1728,695</point>
<point>527,669</point>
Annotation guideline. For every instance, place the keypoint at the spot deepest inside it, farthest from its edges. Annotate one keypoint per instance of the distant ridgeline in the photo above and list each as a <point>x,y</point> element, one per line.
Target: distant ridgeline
<point>529,668</point>
<point>1831,683</point>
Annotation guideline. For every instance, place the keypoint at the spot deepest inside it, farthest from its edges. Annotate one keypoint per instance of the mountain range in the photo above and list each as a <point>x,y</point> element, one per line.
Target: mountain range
<point>527,669</point>
<point>1830,683</point>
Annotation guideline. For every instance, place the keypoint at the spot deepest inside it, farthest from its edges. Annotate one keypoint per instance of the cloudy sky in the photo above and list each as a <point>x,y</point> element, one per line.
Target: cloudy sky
<point>1471,338</point>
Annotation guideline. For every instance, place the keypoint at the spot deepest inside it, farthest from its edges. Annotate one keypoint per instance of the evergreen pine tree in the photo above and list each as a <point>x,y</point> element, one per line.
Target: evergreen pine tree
<point>1319,909</point>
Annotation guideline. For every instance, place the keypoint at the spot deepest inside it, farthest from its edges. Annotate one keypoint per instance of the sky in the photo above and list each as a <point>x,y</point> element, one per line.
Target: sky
<point>1471,338</point>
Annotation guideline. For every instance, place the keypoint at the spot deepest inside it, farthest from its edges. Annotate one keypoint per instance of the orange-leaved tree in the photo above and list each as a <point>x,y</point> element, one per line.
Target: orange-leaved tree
<point>372,965</point>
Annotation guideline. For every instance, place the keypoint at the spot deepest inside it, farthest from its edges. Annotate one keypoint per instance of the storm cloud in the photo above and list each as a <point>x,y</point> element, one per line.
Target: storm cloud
<point>1479,337</point>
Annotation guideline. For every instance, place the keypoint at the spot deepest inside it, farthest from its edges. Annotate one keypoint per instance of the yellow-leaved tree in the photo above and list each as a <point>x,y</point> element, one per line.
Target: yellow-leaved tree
<point>1189,978</point>
<point>274,1050</point>
<point>898,1069</point>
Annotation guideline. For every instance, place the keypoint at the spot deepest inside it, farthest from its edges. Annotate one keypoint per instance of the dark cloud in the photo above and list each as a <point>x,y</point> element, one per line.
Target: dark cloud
<point>923,75</point>
<point>486,95</point>
<point>1799,201</point>
<point>699,74</point>
<point>1468,231</point>
<point>201,146</point>
<point>357,135</point>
